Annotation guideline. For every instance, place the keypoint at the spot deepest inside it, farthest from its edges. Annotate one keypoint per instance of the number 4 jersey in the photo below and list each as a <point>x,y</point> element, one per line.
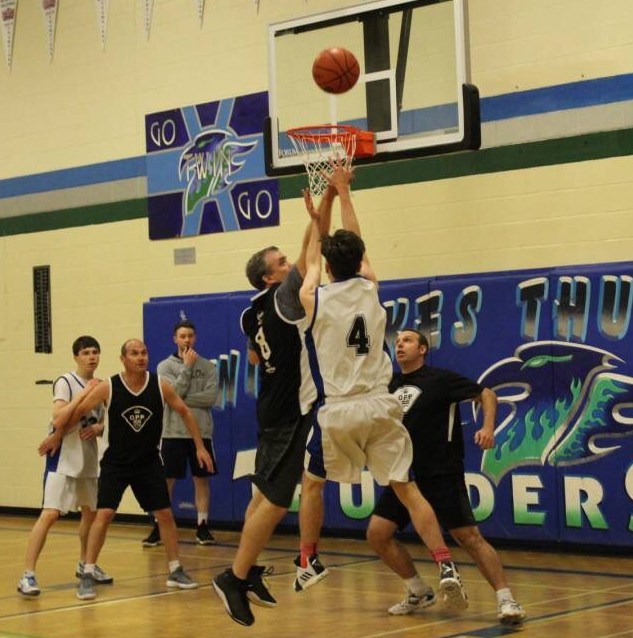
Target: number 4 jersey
<point>345,340</point>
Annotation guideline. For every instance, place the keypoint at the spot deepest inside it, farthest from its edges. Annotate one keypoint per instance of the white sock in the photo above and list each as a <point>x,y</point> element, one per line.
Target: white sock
<point>202,517</point>
<point>504,594</point>
<point>28,573</point>
<point>173,566</point>
<point>89,568</point>
<point>416,585</point>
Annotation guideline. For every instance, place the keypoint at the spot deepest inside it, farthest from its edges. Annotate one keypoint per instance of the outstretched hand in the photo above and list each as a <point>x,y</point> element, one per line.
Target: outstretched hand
<point>340,175</point>
<point>309,204</point>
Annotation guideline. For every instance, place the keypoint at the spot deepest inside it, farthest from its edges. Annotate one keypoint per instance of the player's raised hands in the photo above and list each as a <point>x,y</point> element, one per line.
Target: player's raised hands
<point>340,175</point>
<point>309,204</point>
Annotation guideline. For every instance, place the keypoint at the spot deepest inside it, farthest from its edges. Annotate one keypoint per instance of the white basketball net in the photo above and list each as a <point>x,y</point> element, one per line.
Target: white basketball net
<point>318,146</point>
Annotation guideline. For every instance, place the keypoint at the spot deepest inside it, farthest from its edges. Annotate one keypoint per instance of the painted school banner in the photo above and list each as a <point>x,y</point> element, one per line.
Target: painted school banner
<point>205,169</point>
<point>556,347</point>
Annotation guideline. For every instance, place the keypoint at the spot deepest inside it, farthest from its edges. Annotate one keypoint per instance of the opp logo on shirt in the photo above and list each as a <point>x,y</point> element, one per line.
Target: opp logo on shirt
<point>136,417</point>
<point>407,395</point>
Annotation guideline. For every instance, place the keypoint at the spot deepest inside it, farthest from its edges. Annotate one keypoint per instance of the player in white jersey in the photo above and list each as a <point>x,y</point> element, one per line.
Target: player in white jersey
<point>71,473</point>
<point>358,422</point>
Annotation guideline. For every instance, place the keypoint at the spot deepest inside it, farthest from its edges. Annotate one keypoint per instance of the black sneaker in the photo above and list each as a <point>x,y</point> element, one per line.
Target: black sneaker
<point>153,539</point>
<point>314,573</point>
<point>258,592</point>
<point>232,593</point>
<point>204,535</point>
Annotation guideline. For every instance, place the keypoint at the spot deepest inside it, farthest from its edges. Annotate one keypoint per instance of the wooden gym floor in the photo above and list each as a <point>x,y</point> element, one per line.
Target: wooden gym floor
<point>565,595</point>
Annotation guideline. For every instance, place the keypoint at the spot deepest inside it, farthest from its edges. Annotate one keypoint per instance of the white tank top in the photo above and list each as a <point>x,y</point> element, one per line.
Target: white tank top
<point>346,340</point>
<point>77,458</point>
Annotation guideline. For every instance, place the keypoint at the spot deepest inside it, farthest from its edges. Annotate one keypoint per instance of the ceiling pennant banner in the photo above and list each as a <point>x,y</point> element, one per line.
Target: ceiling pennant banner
<point>148,8</point>
<point>102,19</point>
<point>49,9</point>
<point>8,10</point>
<point>199,10</point>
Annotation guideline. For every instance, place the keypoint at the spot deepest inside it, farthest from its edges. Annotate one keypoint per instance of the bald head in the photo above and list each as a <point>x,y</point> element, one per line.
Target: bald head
<point>127,344</point>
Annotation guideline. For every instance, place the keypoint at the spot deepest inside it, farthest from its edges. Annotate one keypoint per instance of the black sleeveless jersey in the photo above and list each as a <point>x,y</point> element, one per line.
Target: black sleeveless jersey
<point>278,346</point>
<point>135,422</point>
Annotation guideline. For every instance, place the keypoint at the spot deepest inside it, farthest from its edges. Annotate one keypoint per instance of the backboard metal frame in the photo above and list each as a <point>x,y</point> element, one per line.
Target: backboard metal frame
<point>467,134</point>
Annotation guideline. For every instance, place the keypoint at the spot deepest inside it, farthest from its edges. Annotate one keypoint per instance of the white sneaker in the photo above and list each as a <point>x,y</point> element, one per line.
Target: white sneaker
<point>314,573</point>
<point>28,586</point>
<point>411,603</point>
<point>181,579</point>
<point>450,588</point>
<point>100,577</point>
<point>510,612</point>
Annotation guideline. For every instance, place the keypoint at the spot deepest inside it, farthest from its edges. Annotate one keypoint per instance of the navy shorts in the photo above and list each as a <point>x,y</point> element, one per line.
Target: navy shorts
<point>279,460</point>
<point>178,453</point>
<point>447,495</point>
<point>147,482</point>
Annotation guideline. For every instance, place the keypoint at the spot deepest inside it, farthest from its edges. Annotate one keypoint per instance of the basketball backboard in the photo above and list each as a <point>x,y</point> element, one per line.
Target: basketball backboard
<point>414,91</point>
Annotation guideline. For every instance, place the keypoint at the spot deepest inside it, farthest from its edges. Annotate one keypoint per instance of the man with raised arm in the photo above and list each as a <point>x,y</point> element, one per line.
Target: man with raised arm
<point>358,422</point>
<point>283,406</point>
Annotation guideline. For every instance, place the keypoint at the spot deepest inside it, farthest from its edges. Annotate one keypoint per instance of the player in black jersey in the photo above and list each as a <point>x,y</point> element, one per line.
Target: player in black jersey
<point>134,399</point>
<point>284,402</point>
<point>429,398</point>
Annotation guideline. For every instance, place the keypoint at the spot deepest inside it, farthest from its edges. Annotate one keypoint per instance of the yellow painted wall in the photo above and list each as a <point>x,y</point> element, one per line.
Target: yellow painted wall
<point>88,106</point>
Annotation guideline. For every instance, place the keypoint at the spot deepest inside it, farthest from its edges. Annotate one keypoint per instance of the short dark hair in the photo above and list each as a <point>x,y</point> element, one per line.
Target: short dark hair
<point>85,341</point>
<point>256,267</point>
<point>344,252</point>
<point>184,323</point>
<point>422,340</point>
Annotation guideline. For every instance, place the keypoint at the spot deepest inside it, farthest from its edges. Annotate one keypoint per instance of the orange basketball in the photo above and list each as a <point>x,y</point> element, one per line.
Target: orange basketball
<point>335,70</point>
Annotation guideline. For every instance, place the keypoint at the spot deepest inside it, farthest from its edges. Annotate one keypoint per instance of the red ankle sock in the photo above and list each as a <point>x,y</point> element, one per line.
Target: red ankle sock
<point>307,550</point>
<point>442,554</point>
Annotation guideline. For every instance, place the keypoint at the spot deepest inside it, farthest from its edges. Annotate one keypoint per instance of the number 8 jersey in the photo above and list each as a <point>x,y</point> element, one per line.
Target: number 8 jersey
<point>345,340</point>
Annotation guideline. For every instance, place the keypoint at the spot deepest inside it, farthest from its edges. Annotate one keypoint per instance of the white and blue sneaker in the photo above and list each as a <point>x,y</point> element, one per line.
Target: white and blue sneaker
<point>28,586</point>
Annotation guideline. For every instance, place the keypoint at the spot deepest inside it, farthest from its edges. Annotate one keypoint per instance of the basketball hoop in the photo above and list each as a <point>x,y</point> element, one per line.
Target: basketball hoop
<point>319,145</point>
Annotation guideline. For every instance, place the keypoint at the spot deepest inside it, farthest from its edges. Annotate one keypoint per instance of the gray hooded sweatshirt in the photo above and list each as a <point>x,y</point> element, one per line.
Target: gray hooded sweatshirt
<point>197,386</point>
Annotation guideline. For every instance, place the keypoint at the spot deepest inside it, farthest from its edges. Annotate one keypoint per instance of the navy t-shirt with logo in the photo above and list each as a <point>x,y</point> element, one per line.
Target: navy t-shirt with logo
<point>429,398</point>
<point>135,422</point>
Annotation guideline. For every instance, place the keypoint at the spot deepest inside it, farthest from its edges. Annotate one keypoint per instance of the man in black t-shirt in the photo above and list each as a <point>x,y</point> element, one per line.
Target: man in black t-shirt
<point>429,398</point>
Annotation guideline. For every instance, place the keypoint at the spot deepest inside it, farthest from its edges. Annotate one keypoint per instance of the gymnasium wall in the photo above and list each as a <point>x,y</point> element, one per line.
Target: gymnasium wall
<point>551,187</point>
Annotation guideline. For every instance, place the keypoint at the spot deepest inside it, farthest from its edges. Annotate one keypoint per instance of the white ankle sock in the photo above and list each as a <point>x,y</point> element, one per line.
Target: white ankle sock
<point>416,585</point>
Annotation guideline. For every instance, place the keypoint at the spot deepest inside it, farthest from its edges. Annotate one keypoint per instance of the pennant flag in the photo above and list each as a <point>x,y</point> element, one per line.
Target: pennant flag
<point>200,9</point>
<point>102,19</point>
<point>148,7</point>
<point>8,9</point>
<point>49,9</point>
